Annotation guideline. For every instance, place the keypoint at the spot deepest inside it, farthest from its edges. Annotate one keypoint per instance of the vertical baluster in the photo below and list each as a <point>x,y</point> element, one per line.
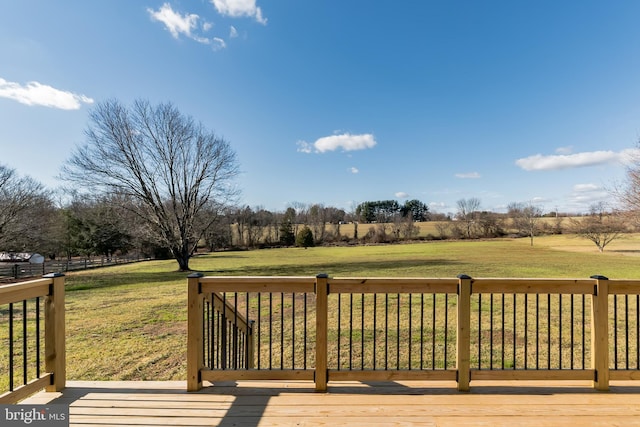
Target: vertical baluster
<point>11,367</point>
<point>560,331</point>
<point>584,327</point>
<point>479,331</point>
<point>281,330</point>
<point>421,331</point>
<point>270,330</point>
<point>572,336</point>
<point>526,331</point>
<point>502,343</point>
<point>25,361</point>
<point>433,332</point>
<point>259,329</point>
<point>339,328</point>
<point>350,331</point>
<point>548,331</point>
<point>491,332</point>
<point>362,332</point>
<point>293,330</point>
<point>537,331</point>
<point>248,348</point>
<point>398,333</point>
<point>615,332</point>
<point>446,328</point>
<point>410,325</point>
<point>386,331</point>
<point>206,344</point>
<point>515,322</point>
<point>38,337</point>
<point>626,330</point>
<point>375,327</point>
<point>305,332</point>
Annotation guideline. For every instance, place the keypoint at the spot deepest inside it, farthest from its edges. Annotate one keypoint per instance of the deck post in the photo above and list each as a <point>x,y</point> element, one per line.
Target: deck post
<point>464,332</point>
<point>322,291</point>
<point>54,325</point>
<point>195,339</point>
<point>600,332</point>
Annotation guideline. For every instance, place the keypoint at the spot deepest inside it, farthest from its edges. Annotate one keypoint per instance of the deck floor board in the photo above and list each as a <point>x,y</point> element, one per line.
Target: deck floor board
<point>278,403</point>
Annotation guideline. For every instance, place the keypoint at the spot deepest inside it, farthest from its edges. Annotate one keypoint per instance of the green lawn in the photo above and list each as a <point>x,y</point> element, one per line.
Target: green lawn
<point>129,322</point>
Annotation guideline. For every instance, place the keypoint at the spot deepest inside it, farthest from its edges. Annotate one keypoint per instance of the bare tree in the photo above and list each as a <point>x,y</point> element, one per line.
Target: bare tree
<point>170,165</point>
<point>629,193</point>
<point>600,226</point>
<point>468,210</point>
<point>21,199</point>
<point>525,217</point>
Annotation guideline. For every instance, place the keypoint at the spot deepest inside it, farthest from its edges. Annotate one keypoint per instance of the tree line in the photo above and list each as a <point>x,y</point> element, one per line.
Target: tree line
<point>152,180</point>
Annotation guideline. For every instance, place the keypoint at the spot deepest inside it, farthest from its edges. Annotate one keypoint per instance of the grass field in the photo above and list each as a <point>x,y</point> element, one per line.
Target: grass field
<point>129,322</point>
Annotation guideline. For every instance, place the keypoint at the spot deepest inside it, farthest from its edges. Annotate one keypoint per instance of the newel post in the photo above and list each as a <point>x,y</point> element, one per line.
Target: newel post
<point>195,339</point>
<point>322,292</point>
<point>464,332</point>
<point>54,326</point>
<point>600,332</point>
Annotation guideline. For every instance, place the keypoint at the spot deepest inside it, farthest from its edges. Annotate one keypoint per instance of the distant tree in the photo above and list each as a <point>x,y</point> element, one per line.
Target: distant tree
<point>318,218</point>
<point>109,233</point>
<point>21,201</point>
<point>407,229</point>
<point>287,234</point>
<point>525,218</point>
<point>169,165</point>
<point>304,238</point>
<point>468,211</point>
<point>600,226</point>
<point>417,210</point>
<point>489,224</point>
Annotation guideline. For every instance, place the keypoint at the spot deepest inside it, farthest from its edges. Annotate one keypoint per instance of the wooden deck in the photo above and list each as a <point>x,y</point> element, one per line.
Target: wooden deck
<point>277,403</point>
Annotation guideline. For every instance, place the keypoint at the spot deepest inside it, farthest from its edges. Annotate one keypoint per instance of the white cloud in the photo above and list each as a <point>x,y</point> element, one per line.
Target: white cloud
<point>438,206</point>
<point>354,170</point>
<point>34,93</point>
<point>538,200</point>
<point>233,33</point>
<point>582,196</point>
<point>565,150</point>
<point>179,24</point>
<point>402,195</point>
<point>304,147</point>
<point>469,175</point>
<point>175,22</point>
<point>238,8</point>
<point>566,161</point>
<point>346,142</point>
<point>217,43</point>
<point>581,188</point>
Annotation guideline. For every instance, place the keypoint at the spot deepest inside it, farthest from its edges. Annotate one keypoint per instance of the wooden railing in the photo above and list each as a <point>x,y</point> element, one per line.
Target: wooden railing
<point>459,329</point>
<point>31,360</point>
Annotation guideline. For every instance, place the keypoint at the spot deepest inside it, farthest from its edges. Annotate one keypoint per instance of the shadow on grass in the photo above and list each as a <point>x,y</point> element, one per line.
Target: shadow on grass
<point>101,279</point>
<point>332,268</point>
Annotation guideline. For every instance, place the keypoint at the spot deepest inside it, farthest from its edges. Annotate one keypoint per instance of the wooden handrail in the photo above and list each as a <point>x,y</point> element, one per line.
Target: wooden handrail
<point>51,287</point>
<point>462,292</point>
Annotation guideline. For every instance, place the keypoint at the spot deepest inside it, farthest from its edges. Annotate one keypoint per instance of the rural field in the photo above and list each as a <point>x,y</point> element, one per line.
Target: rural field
<point>129,322</point>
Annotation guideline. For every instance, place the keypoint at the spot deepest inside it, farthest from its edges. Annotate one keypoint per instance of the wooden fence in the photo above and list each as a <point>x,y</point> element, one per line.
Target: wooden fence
<point>460,329</point>
<point>12,271</point>
<point>32,359</point>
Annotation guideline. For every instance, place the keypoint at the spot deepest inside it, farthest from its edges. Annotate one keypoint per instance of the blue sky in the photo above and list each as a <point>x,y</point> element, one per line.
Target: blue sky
<point>344,101</point>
